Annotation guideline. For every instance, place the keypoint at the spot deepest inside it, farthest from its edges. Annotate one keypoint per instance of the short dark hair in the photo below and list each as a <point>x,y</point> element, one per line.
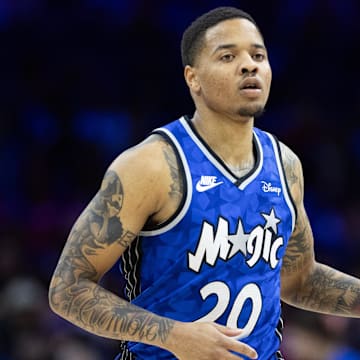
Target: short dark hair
<point>192,39</point>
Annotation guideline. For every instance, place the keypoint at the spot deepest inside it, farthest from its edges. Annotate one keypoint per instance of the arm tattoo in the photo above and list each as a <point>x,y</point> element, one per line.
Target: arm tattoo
<point>176,187</point>
<point>74,292</point>
<point>299,252</point>
<point>320,288</point>
<point>293,170</point>
<point>330,291</point>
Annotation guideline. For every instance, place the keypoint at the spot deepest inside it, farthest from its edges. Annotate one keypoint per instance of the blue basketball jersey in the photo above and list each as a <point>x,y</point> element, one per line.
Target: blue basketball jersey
<point>219,257</point>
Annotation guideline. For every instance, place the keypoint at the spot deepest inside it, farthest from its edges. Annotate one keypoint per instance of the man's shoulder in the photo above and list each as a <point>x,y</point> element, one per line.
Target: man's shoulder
<point>293,172</point>
<point>149,156</point>
<point>154,142</point>
<point>288,155</point>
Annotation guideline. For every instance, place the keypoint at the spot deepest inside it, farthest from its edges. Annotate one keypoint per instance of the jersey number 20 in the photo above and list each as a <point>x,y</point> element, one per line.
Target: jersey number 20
<point>221,290</point>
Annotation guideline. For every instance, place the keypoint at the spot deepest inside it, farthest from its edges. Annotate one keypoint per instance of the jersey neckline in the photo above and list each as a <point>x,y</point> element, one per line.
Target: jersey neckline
<point>241,182</point>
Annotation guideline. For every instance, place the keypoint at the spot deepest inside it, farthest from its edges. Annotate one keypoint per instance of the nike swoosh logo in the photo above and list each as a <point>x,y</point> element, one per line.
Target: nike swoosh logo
<point>202,188</point>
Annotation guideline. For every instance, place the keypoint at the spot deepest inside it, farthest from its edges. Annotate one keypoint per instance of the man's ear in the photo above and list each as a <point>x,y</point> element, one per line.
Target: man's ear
<point>191,79</point>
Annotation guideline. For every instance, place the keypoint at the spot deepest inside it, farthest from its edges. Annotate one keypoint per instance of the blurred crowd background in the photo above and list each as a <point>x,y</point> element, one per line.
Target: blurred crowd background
<point>83,80</point>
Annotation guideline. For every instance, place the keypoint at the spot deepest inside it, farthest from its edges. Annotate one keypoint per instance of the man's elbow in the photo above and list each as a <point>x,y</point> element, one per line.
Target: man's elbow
<point>55,296</point>
<point>288,294</point>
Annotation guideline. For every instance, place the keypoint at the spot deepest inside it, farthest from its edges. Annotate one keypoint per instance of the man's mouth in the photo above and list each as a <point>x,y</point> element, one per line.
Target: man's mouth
<point>250,83</point>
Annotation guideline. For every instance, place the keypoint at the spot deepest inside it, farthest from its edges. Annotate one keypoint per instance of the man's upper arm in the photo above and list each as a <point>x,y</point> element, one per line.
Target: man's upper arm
<point>299,255</point>
<point>130,192</point>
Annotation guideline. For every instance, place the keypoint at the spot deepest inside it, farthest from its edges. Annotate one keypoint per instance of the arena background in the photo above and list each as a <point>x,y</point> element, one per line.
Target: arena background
<point>83,80</point>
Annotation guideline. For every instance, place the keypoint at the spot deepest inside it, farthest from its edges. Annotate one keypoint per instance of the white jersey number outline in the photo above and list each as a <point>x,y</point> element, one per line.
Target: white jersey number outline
<point>221,290</point>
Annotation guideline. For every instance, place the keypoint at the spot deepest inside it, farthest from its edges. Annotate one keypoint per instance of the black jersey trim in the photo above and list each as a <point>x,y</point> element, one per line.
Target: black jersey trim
<point>283,170</point>
<point>279,329</point>
<point>279,333</point>
<point>130,266</point>
<point>286,192</point>
<point>183,177</point>
<point>125,353</point>
<point>241,182</point>
<point>187,187</point>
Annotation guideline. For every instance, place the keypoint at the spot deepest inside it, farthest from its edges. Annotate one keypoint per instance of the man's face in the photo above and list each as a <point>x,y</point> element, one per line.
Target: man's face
<point>232,70</point>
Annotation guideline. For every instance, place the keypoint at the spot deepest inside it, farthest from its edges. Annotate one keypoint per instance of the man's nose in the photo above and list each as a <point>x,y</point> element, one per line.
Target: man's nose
<point>248,65</point>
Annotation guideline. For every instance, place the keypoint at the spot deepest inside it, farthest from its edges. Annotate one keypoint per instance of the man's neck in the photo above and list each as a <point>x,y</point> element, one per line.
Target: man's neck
<point>230,139</point>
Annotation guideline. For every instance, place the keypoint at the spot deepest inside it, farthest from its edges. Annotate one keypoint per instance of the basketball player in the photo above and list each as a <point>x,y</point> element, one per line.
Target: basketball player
<point>208,219</point>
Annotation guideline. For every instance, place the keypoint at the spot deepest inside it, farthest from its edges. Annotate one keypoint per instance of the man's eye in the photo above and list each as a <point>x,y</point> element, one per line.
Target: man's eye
<point>227,57</point>
<point>259,57</point>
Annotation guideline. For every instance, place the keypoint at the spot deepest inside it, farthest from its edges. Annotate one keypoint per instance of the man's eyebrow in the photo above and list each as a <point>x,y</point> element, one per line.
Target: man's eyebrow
<point>258,46</point>
<point>231,46</point>
<point>224,46</point>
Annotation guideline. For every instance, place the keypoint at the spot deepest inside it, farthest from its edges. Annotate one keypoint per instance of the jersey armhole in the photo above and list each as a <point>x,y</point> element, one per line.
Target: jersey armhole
<point>287,194</point>
<point>186,182</point>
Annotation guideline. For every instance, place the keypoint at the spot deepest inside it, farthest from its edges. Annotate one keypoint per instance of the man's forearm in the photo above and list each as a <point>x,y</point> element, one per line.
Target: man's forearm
<point>100,312</point>
<point>329,291</point>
